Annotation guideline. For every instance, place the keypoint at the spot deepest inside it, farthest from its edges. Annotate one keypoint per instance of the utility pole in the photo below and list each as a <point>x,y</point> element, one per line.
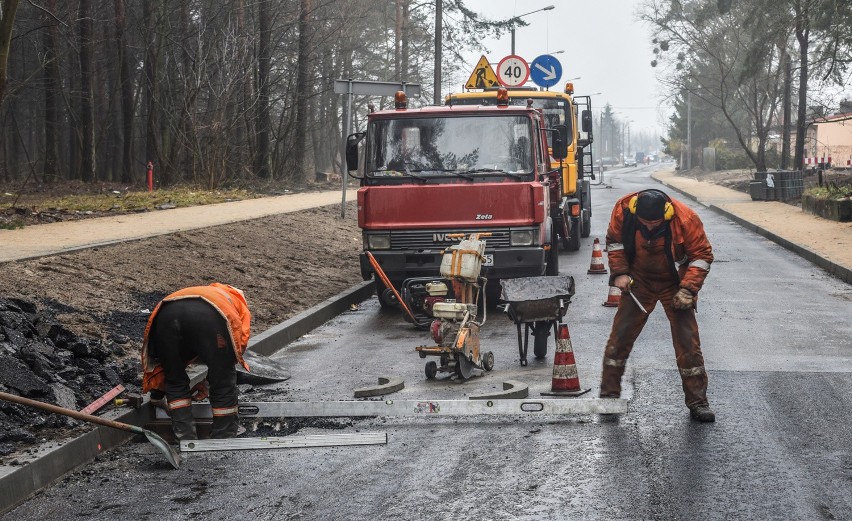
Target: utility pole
<point>689,130</point>
<point>439,28</point>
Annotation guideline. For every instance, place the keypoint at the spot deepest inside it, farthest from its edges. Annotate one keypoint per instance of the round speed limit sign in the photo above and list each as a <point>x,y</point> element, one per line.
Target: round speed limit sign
<point>513,71</point>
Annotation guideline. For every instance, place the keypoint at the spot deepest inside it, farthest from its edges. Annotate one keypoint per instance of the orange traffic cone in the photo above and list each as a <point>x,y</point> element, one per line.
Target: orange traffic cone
<point>613,298</point>
<point>566,381</point>
<point>597,265</point>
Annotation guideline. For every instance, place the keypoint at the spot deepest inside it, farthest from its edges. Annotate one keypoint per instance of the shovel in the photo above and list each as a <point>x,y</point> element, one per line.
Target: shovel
<point>155,440</point>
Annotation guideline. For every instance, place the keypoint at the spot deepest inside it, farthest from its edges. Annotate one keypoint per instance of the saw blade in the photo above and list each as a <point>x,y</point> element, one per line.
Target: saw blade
<point>465,366</point>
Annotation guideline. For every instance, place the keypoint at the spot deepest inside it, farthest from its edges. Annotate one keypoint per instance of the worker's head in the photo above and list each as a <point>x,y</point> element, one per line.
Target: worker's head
<point>652,208</point>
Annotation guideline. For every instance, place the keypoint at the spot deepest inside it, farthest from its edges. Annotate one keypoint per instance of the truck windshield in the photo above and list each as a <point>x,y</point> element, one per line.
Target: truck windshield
<point>556,110</point>
<point>459,146</point>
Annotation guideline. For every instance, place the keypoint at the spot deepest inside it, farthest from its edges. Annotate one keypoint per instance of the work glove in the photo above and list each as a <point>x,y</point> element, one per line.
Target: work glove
<point>158,399</point>
<point>201,391</point>
<point>622,282</point>
<point>683,299</point>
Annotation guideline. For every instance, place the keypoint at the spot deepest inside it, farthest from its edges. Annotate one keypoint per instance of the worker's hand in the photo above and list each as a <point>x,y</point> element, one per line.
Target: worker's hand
<point>683,299</point>
<point>158,399</point>
<point>622,282</point>
<point>201,391</point>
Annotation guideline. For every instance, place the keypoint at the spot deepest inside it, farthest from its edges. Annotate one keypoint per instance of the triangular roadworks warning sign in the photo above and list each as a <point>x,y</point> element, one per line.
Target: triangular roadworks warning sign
<point>483,76</point>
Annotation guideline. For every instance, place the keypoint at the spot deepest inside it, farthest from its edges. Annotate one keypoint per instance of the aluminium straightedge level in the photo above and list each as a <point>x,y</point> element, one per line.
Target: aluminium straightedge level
<point>423,408</point>
<point>286,442</point>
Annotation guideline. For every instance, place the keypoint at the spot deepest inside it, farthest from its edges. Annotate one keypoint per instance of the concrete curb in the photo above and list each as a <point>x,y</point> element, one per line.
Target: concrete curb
<point>841,272</point>
<point>19,483</point>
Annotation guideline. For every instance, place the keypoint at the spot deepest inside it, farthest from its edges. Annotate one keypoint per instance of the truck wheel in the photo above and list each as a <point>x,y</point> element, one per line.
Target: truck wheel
<point>587,225</point>
<point>573,243</point>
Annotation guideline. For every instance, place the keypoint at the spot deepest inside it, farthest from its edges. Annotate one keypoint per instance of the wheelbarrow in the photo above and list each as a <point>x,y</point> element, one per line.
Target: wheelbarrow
<point>537,303</point>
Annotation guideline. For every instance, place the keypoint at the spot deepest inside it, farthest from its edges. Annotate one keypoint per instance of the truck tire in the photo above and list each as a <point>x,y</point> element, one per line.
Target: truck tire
<point>586,228</point>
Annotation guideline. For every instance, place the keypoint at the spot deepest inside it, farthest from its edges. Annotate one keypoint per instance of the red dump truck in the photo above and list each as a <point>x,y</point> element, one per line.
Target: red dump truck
<point>431,173</point>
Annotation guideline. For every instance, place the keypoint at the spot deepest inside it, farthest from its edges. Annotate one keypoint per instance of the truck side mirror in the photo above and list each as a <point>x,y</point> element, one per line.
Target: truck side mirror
<point>352,141</point>
<point>587,120</point>
<point>559,147</point>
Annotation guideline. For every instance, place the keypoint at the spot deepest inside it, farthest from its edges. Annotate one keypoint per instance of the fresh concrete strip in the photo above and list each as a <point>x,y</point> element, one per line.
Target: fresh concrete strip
<point>48,464</point>
<point>275,338</point>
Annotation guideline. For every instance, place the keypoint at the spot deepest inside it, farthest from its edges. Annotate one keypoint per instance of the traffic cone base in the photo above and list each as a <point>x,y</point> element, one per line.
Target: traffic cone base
<point>566,381</point>
<point>597,265</point>
<point>614,297</point>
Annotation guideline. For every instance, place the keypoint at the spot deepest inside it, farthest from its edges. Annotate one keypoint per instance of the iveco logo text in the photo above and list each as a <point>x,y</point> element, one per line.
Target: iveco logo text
<point>442,237</point>
<point>484,217</point>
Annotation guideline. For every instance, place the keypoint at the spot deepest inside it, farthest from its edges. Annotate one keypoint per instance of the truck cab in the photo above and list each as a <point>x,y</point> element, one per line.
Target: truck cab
<point>429,174</point>
<point>571,205</point>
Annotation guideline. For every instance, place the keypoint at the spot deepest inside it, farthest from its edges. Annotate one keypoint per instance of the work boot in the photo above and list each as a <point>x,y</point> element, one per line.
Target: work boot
<point>225,427</point>
<point>702,413</point>
<point>183,424</point>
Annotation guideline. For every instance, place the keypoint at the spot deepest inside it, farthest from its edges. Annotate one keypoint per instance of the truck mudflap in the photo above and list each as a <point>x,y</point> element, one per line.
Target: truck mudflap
<point>509,263</point>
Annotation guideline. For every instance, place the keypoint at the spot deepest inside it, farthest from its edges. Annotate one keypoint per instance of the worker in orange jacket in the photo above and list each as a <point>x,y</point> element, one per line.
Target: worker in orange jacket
<point>207,323</point>
<point>658,251</point>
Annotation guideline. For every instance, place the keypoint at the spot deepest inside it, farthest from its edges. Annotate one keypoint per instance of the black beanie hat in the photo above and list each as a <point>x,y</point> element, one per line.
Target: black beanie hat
<point>651,205</point>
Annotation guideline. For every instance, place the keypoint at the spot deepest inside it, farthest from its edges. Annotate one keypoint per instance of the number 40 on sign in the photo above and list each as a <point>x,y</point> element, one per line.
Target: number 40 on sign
<point>513,71</point>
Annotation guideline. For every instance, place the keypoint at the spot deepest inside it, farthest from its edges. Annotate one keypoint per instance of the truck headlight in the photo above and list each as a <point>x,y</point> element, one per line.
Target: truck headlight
<point>522,238</point>
<point>378,241</point>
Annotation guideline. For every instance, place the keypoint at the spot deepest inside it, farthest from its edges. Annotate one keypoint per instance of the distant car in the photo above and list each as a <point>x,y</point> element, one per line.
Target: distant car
<point>629,162</point>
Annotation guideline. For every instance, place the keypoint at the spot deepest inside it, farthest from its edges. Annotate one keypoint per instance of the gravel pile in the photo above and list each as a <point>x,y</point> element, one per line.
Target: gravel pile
<point>42,360</point>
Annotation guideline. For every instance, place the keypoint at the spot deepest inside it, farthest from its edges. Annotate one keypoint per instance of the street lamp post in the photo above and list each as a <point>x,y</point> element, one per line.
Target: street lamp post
<point>548,8</point>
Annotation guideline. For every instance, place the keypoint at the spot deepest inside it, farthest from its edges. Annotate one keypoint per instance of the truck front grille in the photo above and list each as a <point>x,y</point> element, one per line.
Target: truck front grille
<point>436,239</point>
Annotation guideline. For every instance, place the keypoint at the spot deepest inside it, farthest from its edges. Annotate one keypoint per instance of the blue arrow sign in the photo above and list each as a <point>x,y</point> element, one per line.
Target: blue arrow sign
<point>545,71</point>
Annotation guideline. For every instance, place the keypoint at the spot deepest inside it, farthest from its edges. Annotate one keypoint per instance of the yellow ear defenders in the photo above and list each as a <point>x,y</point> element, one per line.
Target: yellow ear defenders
<point>668,210</point>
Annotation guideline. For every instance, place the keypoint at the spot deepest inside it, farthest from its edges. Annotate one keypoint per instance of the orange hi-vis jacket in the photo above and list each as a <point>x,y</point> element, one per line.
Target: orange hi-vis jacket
<point>690,248</point>
<point>228,301</point>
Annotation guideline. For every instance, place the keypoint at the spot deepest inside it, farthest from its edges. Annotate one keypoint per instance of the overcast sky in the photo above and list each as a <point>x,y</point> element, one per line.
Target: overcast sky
<point>604,45</point>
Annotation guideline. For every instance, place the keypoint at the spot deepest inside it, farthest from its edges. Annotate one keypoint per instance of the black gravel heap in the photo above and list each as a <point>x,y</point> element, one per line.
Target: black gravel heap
<point>42,360</point>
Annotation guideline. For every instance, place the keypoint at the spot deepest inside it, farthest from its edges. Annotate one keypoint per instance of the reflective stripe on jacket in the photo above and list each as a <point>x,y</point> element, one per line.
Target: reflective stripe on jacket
<point>228,301</point>
<point>691,249</point>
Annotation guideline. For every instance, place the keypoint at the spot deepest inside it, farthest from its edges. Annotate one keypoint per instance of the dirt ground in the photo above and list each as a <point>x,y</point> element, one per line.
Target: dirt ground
<point>285,264</point>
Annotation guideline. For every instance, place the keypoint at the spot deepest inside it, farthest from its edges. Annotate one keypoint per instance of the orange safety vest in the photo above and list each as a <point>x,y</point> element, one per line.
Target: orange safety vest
<point>228,301</point>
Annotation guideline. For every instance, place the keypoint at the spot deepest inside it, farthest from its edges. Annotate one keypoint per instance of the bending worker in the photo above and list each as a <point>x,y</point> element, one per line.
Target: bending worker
<point>658,251</point>
<point>211,323</point>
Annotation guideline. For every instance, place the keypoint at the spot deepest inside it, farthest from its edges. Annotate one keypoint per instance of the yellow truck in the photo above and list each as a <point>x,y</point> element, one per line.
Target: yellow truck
<point>572,216</point>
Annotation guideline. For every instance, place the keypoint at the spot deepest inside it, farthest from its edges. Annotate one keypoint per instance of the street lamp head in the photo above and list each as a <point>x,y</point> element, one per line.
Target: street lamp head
<point>548,8</point>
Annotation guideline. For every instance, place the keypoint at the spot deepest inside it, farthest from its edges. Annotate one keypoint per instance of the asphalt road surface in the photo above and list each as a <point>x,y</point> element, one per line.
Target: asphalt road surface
<point>777,339</point>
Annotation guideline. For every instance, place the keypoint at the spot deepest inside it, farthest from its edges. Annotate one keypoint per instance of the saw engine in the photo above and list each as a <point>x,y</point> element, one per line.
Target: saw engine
<point>450,308</point>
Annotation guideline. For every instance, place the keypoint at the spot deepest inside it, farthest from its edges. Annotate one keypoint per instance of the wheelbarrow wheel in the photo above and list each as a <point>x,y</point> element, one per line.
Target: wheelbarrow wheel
<point>541,334</point>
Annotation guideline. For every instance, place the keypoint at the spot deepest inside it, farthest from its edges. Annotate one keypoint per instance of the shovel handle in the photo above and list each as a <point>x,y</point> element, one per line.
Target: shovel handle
<point>73,414</point>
